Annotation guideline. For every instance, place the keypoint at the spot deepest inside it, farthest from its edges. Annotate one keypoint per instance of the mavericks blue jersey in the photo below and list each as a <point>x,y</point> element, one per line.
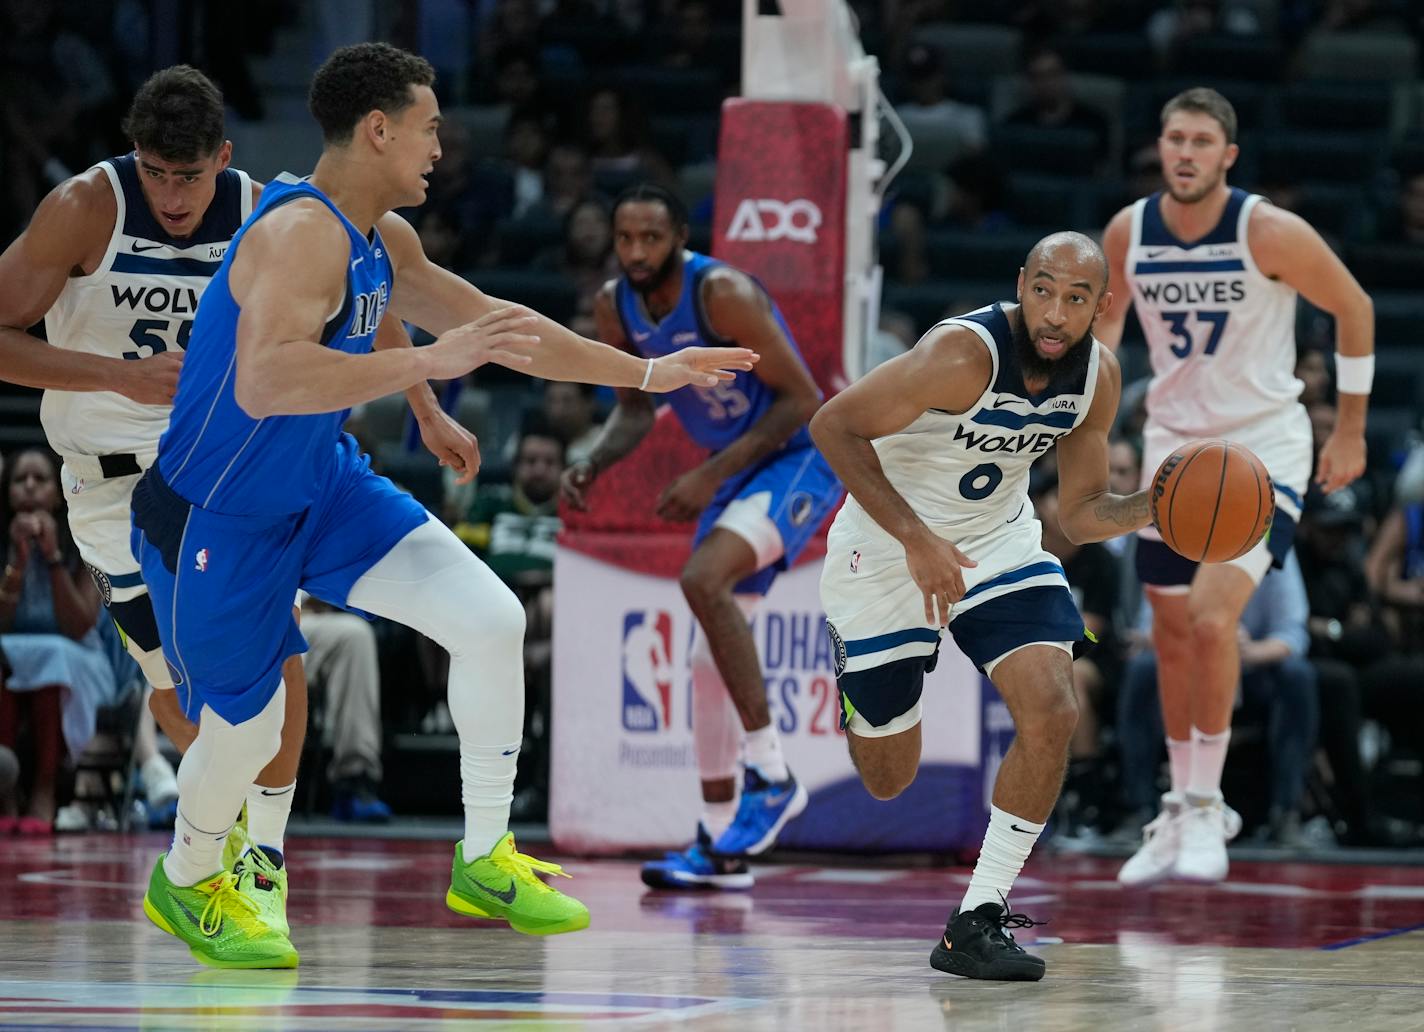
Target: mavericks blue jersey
<point>713,416</point>
<point>214,454</point>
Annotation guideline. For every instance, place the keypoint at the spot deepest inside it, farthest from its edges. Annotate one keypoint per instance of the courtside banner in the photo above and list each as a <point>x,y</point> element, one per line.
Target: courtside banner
<point>624,773</point>
<point>780,215</point>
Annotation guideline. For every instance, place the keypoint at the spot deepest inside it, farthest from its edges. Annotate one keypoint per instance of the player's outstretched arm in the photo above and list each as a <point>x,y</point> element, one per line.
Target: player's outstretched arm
<point>1087,510</point>
<point>1116,238</point>
<point>288,277</point>
<point>627,424</point>
<point>1285,247</point>
<point>437,300</point>
<point>71,227</point>
<point>947,370</point>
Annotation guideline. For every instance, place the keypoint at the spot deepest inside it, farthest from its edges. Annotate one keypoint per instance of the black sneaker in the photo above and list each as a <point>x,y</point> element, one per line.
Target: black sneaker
<point>976,945</point>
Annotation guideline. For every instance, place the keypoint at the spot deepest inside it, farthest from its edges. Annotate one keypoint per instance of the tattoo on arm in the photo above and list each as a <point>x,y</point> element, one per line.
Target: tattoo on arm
<point>1126,511</point>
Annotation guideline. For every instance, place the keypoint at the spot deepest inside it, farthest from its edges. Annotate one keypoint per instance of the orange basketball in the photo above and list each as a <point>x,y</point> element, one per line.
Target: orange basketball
<point>1212,501</point>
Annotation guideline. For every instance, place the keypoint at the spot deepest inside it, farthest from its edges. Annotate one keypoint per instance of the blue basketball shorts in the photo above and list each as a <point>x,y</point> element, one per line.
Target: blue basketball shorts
<point>222,586</point>
<point>776,506</point>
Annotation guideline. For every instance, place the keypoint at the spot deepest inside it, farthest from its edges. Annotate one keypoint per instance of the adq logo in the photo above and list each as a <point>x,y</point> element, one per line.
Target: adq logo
<point>767,220</point>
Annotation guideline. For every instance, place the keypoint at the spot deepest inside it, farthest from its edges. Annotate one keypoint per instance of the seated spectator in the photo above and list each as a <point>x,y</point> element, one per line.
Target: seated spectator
<point>343,669</point>
<point>927,98</point>
<point>526,148</point>
<point>571,410</point>
<point>1093,577</point>
<point>585,257</point>
<point>1313,370</point>
<point>1168,29</point>
<point>1346,637</point>
<point>1406,224</point>
<point>1051,103</point>
<point>512,527</point>
<point>49,608</point>
<point>616,137</point>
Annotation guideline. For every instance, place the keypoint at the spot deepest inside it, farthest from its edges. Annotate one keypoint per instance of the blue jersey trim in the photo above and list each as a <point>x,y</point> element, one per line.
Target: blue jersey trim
<point>1014,421</point>
<point>1014,576</point>
<point>145,266</point>
<point>882,642</point>
<point>1216,265</point>
<point>1156,234</point>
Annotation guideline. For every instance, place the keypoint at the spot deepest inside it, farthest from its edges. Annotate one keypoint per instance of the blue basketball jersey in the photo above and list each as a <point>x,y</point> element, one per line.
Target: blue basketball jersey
<point>217,456</point>
<point>713,416</point>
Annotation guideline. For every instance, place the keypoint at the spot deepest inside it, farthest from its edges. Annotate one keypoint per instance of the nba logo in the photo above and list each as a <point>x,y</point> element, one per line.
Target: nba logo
<point>647,669</point>
<point>201,560</point>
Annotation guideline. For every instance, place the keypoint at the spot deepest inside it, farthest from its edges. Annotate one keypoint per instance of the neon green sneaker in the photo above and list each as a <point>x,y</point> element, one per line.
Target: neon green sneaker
<point>221,925</point>
<point>503,885</point>
<point>263,882</point>
<point>237,841</point>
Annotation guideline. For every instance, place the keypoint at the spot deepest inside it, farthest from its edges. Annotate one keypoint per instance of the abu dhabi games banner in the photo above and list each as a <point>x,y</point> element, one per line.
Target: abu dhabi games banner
<point>623,771</point>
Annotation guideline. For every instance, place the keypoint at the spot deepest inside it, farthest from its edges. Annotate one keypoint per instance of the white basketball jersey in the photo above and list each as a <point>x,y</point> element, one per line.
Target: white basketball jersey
<point>968,473</point>
<point>140,301</point>
<point>1220,333</point>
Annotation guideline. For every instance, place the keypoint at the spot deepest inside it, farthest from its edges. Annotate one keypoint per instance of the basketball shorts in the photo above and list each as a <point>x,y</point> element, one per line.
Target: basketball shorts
<point>776,506</point>
<point>1283,442</point>
<point>99,522</point>
<point>1016,596</point>
<point>222,586</point>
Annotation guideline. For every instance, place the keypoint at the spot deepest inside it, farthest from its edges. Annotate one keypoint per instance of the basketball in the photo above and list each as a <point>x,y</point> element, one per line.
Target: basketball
<point>1212,501</point>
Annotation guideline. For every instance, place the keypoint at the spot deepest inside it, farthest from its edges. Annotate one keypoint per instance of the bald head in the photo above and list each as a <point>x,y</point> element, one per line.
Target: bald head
<point>1072,256</point>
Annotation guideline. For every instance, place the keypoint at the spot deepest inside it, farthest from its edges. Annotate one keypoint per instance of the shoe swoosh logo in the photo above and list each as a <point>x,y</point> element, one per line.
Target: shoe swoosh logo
<point>140,250</point>
<point>198,924</point>
<point>780,797</point>
<point>506,896</point>
<point>947,944</point>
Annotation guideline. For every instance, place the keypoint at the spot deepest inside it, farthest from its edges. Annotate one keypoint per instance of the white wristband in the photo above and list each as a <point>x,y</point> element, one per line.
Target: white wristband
<point>647,375</point>
<point>1354,374</point>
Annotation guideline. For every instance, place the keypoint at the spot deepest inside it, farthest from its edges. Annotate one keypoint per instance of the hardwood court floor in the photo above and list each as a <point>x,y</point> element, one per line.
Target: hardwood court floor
<point>1283,945</point>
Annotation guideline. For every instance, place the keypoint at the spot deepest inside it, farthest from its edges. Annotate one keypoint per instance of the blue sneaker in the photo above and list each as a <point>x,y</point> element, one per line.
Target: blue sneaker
<point>360,807</point>
<point>696,868</point>
<point>763,811</point>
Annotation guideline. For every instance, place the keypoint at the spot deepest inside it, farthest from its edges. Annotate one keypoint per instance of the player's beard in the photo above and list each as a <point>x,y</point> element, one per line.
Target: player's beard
<point>1034,366</point>
<point>660,275</point>
<point>1203,188</point>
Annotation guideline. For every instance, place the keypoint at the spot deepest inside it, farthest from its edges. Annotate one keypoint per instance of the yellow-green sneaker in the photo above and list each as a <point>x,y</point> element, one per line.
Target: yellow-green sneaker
<point>263,882</point>
<point>221,925</point>
<point>237,841</point>
<point>503,885</point>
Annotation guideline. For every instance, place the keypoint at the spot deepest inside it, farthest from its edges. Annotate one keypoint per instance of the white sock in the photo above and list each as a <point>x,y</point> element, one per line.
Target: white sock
<point>1007,844</point>
<point>1208,757</point>
<point>267,812</point>
<point>487,787</point>
<point>212,781</point>
<point>717,817</point>
<point>1179,759</point>
<point>763,751</point>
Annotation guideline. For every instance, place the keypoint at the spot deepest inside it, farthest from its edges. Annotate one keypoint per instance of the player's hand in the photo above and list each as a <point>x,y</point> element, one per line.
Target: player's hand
<point>21,534</point>
<point>501,336</point>
<point>687,496</point>
<point>577,479</point>
<point>937,566</point>
<point>153,380</point>
<point>46,534</point>
<point>171,720</point>
<point>452,444</point>
<point>1342,460</point>
<point>701,367</point>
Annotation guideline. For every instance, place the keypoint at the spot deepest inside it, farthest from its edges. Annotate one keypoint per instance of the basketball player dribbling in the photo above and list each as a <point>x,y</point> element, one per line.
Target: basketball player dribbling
<point>935,447</point>
<point>256,492</point>
<point>1214,273</point>
<point>115,260</point>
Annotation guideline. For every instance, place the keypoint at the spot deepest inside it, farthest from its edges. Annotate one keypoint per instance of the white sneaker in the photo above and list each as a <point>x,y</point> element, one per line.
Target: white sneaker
<point>1202,855</point>
<point>1161,839</point>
